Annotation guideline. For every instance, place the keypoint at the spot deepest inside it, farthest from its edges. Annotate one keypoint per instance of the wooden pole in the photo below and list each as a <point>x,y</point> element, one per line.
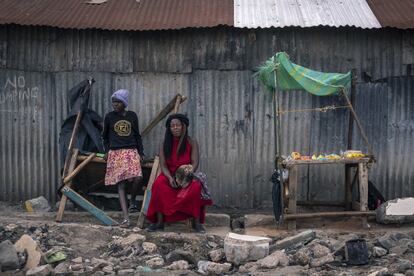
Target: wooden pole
<point>364,136</point>
<point>71,167</point>
<point>72,142</point>
<point>276,125</point>
<point>351,118</point>
<point>177,104</point>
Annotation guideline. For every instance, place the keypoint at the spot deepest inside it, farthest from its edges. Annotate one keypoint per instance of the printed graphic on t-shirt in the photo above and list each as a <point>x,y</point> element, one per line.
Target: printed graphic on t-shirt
<point>122,128</point>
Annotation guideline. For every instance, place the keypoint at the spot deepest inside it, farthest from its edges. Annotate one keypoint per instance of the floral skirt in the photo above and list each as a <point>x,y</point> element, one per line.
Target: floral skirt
<point>122,164</point>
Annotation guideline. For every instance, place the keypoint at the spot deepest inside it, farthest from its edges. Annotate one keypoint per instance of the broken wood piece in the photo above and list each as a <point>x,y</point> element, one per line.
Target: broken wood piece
<point>79,168</point>
<point>162,114</point>
<point>94,159</point>
<point>85,204</point>
<point>329,214</point>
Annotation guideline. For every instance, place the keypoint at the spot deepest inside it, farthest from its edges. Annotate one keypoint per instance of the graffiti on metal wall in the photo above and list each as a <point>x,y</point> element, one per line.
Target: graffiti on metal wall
<point>16,90</point>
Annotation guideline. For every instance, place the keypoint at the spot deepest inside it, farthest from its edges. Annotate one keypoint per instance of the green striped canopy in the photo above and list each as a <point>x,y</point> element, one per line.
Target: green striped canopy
<point>290,76</point>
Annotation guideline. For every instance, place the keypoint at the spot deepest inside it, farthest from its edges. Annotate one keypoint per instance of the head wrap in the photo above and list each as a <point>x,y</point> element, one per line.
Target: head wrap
<point>183,119</point>
<point>121,95</point>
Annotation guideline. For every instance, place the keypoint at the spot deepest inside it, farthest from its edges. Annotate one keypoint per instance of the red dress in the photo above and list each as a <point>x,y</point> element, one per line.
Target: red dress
<point>176,204</point>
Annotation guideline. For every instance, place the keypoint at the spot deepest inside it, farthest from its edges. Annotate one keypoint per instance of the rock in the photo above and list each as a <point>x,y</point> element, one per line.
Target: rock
<point>379,272</point>
<point>302,256</point>
<point>178,255</point>
<point>62,269</point>
<point>387,241</point>
<point>149,247</point>
<point>398,274</point>
<point>258,220</point>
<point>76,267</point>
<point>277,258</point>
<point>34,253</point>
<point>302,237</point>
<point>108,269</point>
<point>399,210</point>
<point>216,255</point>
<point>155,262</point>
<point>409,273</point>
<point>249,267</point>
<point>402,266</point>
<point>98,264</point>
<point>214,220</point>
<point>38,204</point>
<point>125,272</point>
<point>206,267</point>
<point>241,249</point>
<point>8,256</point>
<point>399,250</point>
<point>321,261</point>
<point>88,268</point>
<point>77,260</point>
<point>378,252</point>
<point>133,239</point>
<point>44,270</point>
<point>319,251</point>
<point>178,265</point>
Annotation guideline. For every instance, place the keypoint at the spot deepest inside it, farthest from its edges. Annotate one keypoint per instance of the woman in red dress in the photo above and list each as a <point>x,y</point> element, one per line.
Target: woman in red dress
<point>169,203</point>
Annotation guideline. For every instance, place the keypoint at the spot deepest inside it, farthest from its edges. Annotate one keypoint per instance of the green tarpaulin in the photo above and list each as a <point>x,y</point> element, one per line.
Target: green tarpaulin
<point>290,76</point>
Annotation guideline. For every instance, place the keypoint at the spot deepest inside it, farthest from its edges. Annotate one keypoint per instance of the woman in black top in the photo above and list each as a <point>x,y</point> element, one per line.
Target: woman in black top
<point>123,146</point>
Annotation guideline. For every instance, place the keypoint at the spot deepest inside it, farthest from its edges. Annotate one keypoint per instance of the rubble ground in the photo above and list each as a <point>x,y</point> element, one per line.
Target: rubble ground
<point>316,248</point>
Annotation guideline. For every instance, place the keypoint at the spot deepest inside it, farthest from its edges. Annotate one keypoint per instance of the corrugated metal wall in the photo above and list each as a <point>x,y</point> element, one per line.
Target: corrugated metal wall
<point>231,115</point>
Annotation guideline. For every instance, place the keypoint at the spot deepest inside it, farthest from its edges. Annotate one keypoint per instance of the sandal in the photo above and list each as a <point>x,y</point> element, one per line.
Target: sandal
<point>124,224</point>
<point>155,227</point>
<point>199,228</point>
<point>133,207</point>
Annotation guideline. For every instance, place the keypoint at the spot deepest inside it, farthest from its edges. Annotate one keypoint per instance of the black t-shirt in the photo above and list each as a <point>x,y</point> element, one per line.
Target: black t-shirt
<point>122,132</point>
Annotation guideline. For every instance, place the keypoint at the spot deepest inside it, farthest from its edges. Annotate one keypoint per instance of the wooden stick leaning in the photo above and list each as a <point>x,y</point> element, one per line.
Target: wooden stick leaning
<point>163,113</point>
<point>85,162</point>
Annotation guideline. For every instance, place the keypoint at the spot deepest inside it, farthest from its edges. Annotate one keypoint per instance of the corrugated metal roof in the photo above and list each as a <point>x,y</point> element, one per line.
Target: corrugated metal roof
<point>303,13</point>
<point>118,14</point>
<point>399,14</point>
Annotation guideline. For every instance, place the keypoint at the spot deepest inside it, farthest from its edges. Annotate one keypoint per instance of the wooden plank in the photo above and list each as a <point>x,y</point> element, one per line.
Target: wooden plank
<point>321,203</point>
<point>363,191</point>
<point>292,205</point>
<point>332,161</point>
<point>82,202</point>
<point>72,142</point>
<point>330,214</point>
<point>147,164</point>
<point>147,194</point>
<point>162,114</point>
<point>154,172</point>
<point>63,200</point>
<point>78,168</point>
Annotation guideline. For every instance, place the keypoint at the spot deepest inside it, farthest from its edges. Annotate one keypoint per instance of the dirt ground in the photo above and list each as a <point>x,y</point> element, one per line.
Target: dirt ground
<point>82,236</point>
